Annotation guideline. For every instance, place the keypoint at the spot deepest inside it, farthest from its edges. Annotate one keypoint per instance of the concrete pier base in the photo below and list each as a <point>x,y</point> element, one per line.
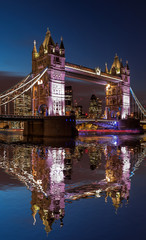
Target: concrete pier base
<point>51,126</point>
<point>130,123</point>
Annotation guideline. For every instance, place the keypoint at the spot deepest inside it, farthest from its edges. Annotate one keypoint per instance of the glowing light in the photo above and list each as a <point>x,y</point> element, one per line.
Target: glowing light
<point>97,193</point>
<point>118,71</point>
<point>123,150</point>
<point>56,174</point>
<point>126,100</point>
<point>39,181</point>
<point>107,179</point>
<point>40,82</point>
<point>98,71</point>
<point>108,86</point>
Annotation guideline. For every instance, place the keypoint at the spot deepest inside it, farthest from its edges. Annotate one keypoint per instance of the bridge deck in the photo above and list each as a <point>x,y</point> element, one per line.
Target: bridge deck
<point>19,118</point>
<point>26,118</point>
<point>89,74</point>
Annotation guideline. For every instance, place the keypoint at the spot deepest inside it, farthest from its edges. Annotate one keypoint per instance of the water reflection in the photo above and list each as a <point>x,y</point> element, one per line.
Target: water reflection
<point>56,174</point>
<point>47,171</point>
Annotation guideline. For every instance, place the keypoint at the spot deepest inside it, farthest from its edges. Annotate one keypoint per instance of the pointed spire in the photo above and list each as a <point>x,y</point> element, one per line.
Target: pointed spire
<point>127,65</point>
<point>106,69</point>
<point>121,63</point>
<point>51,42</point>
<point>34,47</point>
<point>47,38</point>
<point>48,30</point>
<point>61,44</point>
<point>41,50</point>
<point>116,63</point>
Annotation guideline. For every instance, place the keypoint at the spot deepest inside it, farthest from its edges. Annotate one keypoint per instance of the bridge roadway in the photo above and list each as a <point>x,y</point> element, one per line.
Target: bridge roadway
<point>86,120</point>
<point>89,74</point>
<point>19,118</point>
<point>78,121</point>
<point>83,120</point>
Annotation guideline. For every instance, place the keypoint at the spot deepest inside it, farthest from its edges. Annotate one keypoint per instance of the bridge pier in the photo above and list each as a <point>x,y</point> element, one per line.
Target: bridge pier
<point>51,126</point>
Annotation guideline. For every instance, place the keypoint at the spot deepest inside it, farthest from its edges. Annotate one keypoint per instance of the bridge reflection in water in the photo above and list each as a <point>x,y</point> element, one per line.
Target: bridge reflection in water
<point>57,174</point>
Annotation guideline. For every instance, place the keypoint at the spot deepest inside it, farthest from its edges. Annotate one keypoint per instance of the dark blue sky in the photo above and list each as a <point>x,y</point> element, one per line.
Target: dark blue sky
<point>93,31</point>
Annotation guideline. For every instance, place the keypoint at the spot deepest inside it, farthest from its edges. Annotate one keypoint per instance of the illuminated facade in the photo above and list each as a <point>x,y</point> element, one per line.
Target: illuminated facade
<point>48,95</point>
<point>118,94</point>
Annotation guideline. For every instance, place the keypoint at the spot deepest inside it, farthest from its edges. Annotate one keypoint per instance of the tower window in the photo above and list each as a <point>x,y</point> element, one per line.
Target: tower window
<point>57,59</point>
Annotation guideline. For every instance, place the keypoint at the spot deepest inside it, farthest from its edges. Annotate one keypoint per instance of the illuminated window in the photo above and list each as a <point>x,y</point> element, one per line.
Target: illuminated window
<point>126,100</point>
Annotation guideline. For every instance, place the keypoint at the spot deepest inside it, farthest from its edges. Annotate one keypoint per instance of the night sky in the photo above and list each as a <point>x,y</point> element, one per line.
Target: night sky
<point>93,32</point>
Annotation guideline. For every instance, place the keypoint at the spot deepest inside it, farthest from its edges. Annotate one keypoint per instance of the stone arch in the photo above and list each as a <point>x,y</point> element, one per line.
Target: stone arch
<point>43,110</point>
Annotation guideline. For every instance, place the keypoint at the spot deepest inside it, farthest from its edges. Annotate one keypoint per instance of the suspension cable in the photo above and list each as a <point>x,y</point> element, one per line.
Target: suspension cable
<point>23,85</point>
<point>138,103</point>
<point>21,82</point>
<point>26,89</point>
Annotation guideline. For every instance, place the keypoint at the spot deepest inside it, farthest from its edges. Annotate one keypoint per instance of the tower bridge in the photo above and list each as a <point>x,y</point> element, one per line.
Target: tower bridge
<point>43,91</point>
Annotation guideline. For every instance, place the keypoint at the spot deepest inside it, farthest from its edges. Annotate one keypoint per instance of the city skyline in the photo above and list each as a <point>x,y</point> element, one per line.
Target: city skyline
<point>92,33</point>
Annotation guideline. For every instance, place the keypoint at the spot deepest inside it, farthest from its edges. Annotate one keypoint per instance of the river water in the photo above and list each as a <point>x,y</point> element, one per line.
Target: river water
<point>90,188</point>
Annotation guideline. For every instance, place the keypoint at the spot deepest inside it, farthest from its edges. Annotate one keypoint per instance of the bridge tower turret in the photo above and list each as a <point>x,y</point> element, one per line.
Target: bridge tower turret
<point>125,89</point>
<point>34,56</point>
<point>48,95</point>
<point>118,94</point>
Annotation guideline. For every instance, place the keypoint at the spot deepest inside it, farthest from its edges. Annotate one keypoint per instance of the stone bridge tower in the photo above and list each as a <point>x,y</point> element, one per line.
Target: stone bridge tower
<point>48,94</point>
<point>118,94</point>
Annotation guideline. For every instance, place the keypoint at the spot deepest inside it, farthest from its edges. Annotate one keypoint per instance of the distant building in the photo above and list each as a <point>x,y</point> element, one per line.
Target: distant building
<point>68,99</point>
<point>22,105</point>
<point>78,109</point>
<point>95,107</point>
<point>99,108</point>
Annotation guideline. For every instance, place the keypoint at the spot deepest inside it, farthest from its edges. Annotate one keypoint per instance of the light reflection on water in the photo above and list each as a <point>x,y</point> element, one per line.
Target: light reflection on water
<point>60,172</point>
